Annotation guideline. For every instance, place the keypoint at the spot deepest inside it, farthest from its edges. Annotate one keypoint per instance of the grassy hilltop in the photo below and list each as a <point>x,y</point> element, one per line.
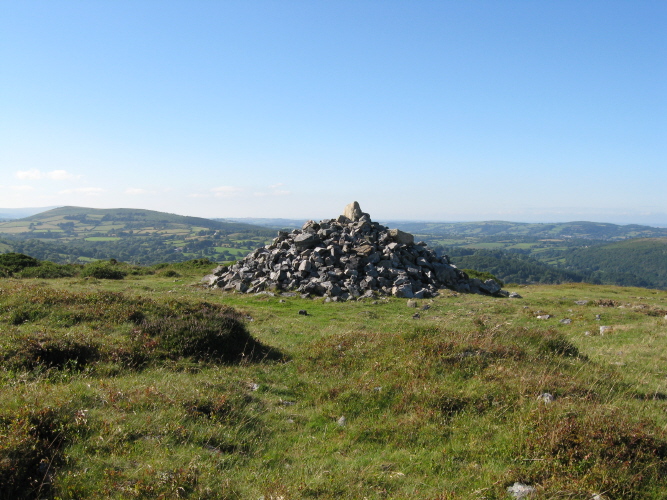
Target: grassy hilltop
<point>153,387</point>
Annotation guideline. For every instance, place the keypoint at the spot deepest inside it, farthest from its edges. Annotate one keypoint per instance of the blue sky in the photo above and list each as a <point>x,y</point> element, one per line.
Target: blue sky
<point>430,110</point>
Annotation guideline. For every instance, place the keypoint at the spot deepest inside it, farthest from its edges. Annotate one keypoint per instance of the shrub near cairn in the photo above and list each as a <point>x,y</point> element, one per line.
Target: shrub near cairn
<point>347,258</point>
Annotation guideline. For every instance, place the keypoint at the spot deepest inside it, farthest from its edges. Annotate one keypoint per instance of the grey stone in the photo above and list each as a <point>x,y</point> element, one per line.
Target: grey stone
<point>353,211</point>
<point>306,240</point>
<point>491,287</point>
<point>445,273</point>
<point>306,265</point>
<point>402,292</point>
<point>401,237</point>
<point>209,279</point>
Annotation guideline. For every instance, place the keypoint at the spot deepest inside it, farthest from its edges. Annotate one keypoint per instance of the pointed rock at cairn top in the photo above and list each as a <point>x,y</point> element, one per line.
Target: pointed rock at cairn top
<point>353,211</point>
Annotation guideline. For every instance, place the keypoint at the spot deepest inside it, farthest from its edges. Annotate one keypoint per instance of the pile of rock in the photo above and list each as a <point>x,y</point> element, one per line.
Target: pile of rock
<point>344,258</point>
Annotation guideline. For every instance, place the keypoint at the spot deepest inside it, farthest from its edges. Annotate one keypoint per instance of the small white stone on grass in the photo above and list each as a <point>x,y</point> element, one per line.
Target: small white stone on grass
<point>605,329</point>
<point>342,421</point>
<point>520,490</point>
<point>546,398</point>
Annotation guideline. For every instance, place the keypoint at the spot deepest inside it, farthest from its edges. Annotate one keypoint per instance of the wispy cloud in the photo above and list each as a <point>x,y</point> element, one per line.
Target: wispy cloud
<point>136,191</point>
<point>55,175</point>
<point>88,191</point>
<point>274,190</point>
<point>277,191</point>
<point>32,174</point>
<point>226,191</point>
<point>199,195</point>
<point>61,175</point>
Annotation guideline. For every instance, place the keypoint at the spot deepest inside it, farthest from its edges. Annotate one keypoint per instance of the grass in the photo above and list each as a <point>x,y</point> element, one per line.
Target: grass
<point>120,389</point>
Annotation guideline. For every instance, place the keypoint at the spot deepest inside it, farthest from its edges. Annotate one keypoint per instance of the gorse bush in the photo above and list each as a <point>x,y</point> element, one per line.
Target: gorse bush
<point>16,262</point>
<point>104,270</point>
<point>49,270</point>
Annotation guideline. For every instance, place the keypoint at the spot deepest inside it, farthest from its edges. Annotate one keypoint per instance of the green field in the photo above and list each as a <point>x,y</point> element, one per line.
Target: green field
<point>127,389</point>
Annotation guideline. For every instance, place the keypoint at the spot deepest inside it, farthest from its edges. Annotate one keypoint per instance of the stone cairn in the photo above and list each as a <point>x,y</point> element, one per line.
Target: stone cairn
<point>347,258</point>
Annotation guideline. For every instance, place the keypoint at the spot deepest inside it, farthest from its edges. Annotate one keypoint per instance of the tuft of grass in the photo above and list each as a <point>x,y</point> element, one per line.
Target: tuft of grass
<point>31,450</point>
<point>571,452</point>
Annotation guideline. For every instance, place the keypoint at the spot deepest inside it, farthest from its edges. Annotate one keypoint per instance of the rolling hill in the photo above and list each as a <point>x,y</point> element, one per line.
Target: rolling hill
<point>70,234</point>
<point>81,220</point>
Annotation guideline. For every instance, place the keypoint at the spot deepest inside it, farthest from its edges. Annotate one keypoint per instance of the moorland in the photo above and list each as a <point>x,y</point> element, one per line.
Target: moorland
<point>149,385</point>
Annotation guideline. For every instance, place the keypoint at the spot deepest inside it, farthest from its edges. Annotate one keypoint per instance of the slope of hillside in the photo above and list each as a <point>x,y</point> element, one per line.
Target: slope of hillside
<point>515,268</point>
<point>636,262</point>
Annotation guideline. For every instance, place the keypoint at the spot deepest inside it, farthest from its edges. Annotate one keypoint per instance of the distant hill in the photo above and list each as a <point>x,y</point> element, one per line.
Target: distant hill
<point>95,217</point>
<point>578,229</point>
<point>69,234</point>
